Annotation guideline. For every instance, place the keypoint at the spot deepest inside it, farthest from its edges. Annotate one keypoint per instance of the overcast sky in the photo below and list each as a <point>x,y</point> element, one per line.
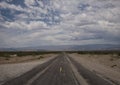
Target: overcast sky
<point>26,23</point>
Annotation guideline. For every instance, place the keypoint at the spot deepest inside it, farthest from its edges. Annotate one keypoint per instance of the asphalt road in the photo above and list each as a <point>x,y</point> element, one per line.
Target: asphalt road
<point>58,71</point>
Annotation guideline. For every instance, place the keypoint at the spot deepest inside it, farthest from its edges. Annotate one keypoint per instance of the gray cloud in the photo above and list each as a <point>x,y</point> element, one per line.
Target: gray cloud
<point>59,22</point>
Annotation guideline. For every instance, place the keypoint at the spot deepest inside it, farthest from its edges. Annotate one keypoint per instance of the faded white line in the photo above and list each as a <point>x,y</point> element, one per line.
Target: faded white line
<point>37,75</point>
<point>61,69</point>
<point>80,79</point>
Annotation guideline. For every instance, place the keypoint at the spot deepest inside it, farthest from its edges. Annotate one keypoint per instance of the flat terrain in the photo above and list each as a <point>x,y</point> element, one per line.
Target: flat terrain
<point>10,69</point>
<point>60,70</point>
<point>20,59</point>
<point>104,65</point>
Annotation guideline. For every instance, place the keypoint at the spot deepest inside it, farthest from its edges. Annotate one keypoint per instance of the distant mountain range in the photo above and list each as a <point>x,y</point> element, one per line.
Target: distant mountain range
<point>66,48</point>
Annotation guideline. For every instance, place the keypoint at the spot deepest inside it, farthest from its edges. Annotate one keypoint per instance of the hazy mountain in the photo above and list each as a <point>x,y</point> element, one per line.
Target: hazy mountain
<point>65,48</point>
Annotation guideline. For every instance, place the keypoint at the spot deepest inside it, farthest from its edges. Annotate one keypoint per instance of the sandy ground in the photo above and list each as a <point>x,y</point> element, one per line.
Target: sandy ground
<point>106,66</point>
<point>12,70</point>
<point>17,59</point>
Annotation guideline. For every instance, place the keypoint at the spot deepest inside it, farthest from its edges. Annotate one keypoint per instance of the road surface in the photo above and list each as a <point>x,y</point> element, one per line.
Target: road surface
<point>62,70</point>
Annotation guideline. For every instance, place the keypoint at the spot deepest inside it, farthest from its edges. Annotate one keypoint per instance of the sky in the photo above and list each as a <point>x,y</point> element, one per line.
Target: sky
<point>26,23</point>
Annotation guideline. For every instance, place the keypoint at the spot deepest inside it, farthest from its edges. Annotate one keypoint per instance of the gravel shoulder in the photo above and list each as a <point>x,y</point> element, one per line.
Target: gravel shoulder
<point>10,71</point>
<point>101,65</point>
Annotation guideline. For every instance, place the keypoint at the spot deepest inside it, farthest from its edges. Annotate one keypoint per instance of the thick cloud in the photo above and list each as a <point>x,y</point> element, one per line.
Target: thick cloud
<point>59,22</point>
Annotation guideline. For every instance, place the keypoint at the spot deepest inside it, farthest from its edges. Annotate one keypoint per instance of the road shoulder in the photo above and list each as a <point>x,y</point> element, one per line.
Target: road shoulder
<point>101,70</point>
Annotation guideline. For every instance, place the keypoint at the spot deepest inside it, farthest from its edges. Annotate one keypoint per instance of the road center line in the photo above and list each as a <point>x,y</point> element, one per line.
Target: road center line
<point>61,69</point>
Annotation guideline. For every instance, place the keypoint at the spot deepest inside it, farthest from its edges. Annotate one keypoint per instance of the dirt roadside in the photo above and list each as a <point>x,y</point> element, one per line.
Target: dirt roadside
<point>12,69</point>
<point>21,59</point>
<point>103,65</point>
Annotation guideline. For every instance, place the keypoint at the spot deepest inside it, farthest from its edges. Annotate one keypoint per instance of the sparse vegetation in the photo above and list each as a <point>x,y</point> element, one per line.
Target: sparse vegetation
<point>113,65</point>
<point>111,59</point>
<point>116,56</point>
<point>7,56</point>
<point>40,57</point>
<point>23,56</point>
<point>24,53</point>
<point>96,52</point>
